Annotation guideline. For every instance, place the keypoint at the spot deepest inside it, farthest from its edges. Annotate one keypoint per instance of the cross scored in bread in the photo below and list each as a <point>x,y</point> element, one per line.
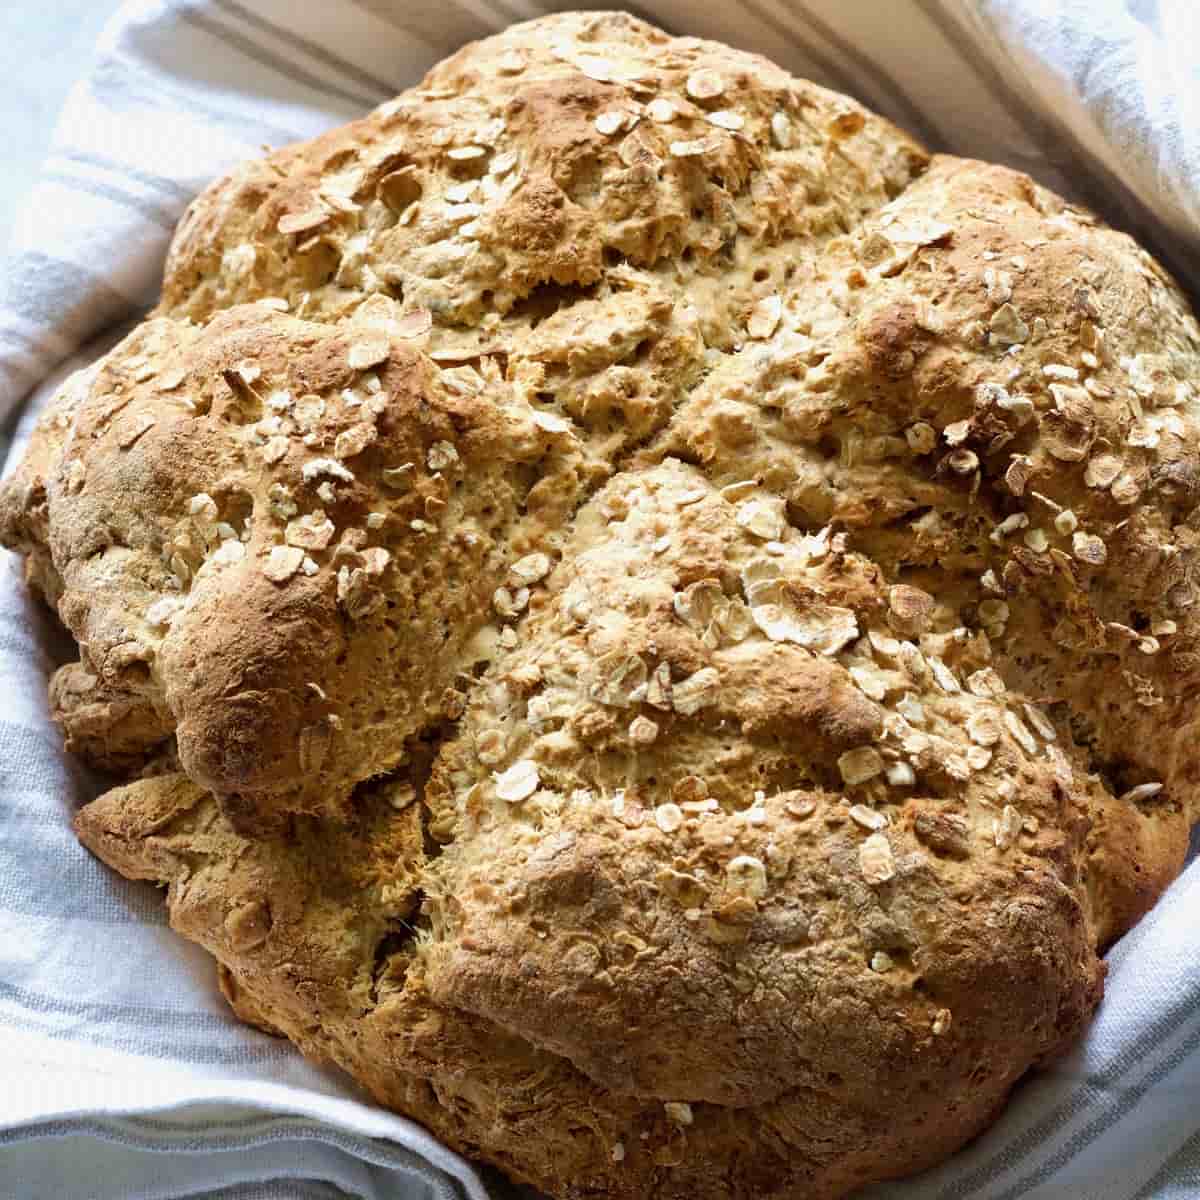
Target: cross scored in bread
<point>642,616</point>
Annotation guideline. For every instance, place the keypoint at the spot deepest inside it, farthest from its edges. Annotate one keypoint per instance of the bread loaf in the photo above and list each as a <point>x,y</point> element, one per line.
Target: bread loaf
<point>642,616</point>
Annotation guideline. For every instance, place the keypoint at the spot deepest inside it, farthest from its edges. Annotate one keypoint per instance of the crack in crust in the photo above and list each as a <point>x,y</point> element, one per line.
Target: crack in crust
<point>643,619</point>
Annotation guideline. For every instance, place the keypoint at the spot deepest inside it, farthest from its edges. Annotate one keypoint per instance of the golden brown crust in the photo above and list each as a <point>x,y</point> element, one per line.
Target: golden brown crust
<point>657,625</point>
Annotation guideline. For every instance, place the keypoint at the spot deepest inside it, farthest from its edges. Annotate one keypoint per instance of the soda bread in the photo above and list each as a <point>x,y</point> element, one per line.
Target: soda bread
<point>640,615</point>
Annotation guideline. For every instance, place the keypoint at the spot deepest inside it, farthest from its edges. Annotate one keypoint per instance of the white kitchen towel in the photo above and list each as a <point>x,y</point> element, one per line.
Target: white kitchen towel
<point>122,1074</point>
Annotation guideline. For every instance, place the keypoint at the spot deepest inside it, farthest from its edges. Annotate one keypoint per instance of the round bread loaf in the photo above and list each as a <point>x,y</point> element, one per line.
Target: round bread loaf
<point>640,615</point>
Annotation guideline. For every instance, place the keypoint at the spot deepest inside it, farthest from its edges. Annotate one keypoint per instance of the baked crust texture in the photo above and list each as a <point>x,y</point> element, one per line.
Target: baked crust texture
<point>642,616</point>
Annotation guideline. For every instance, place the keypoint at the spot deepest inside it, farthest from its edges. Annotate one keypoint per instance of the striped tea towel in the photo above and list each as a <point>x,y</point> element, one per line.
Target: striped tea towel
<point>122,1074</point>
